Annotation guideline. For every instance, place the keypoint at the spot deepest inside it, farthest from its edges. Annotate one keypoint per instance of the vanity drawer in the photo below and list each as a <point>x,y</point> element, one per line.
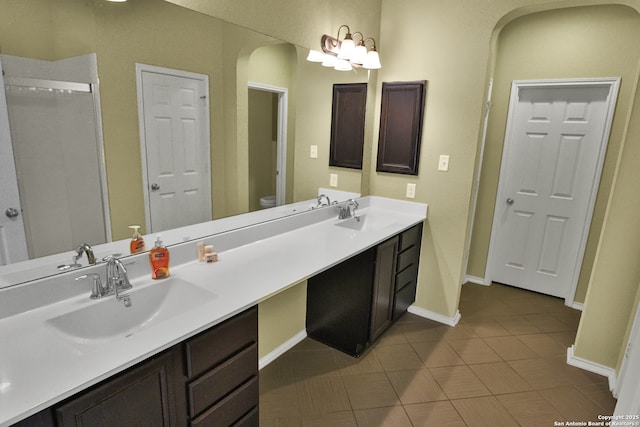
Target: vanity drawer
<point>406,276</point>
<point>212,347</point>
<point>403,299</point>
<point>215,384</point>
<point>233,408</point>
<point>249,420</point>
<point>410,237</point>
<point>408,257</point>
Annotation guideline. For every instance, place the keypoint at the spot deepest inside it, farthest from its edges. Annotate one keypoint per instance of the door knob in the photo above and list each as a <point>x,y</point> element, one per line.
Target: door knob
<point>509,201</point>
<point>155,187</point>
<point>12,213</point>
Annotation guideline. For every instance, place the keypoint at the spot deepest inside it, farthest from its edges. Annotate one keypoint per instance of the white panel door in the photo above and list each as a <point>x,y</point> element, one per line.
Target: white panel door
<point>552,158</point>
<point>176,149</point>
<point>13,242</point>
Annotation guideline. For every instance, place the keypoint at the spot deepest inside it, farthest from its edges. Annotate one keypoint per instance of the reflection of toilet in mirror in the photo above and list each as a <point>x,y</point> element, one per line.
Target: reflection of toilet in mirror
<point>267,202</point>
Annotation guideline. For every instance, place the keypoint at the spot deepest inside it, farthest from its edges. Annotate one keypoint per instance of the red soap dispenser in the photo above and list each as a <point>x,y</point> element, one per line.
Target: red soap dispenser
<point>159,259</point>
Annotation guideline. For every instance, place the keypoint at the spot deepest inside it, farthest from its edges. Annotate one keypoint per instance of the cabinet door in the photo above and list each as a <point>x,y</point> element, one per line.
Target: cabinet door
<point>383,288</point>
<point>141,397</point>
<point>347,125</point>
<point>339,304</point>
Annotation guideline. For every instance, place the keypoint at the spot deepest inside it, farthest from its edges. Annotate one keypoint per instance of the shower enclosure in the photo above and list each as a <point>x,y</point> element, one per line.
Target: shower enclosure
<point>56,136</point>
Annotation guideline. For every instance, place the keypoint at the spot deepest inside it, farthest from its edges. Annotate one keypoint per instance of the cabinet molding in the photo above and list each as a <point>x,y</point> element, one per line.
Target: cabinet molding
<point>401,116</point>
<point>347,125</point>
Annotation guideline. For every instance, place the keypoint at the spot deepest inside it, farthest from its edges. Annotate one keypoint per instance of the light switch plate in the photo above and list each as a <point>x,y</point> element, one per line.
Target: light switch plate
<point>411,191</point>
<point>313,152</point>
<point>443,163</point>
<point>333,180</point>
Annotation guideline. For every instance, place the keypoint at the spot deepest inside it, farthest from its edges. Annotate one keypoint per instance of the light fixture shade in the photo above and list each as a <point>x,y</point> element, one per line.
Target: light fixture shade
<point>315,56</point>
<point>359,55</point>
<point>329,61</point>
<point>373,61</point>
<point>347,47</point>
<point>343,65</point>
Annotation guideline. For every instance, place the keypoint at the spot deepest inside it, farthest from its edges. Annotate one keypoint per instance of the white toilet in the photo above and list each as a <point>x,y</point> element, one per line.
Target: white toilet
<point>267,202</point>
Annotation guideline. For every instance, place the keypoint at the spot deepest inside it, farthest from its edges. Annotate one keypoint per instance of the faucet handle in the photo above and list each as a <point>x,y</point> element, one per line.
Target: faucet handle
<point>96,288</point>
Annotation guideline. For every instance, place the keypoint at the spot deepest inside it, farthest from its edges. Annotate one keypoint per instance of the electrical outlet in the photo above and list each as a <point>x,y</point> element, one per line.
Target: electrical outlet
<point>411,191</point>
<point>443,164</point>
<point>333,180</point>
<point>313,152</point>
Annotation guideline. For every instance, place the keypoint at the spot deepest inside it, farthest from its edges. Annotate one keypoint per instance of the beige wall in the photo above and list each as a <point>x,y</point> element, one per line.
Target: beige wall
<point>281,317</point>
<point>536,46</point>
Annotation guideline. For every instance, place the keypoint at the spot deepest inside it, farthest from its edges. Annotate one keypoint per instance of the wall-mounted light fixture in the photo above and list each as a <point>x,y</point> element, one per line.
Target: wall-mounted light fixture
<point>345,54</point>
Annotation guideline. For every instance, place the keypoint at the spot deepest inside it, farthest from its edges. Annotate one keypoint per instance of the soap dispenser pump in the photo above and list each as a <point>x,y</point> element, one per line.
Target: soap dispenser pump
<point>159,259</point>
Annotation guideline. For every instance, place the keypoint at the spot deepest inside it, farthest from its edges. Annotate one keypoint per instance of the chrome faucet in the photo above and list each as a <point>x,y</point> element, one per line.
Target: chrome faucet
<point>84,248</point>
<point>117,279</point>
<point>348,210</point>
<point>320,198</point>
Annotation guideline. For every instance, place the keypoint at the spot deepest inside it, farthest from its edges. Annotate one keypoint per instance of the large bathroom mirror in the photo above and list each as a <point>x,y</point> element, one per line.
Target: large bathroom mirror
<point>159,34</point>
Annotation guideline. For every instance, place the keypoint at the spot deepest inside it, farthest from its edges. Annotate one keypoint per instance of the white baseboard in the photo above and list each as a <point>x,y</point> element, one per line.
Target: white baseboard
<point>596,368</point>
<point>282,349</point>
<point>477,280</point>
<point>437,317</point>
<point>577,306</point>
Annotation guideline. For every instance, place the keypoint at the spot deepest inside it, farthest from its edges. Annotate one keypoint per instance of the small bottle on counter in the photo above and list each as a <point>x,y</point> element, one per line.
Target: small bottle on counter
<point>201,251</point>
<point>159,259</point>
<point>137,242</point>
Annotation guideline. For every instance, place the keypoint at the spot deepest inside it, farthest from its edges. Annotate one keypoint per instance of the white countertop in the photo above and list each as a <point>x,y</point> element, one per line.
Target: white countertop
<point>39,368</point>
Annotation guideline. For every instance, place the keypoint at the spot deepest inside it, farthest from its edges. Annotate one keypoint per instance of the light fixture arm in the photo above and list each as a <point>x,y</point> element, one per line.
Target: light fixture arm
<point>346,35</point>
<point>373,40</point>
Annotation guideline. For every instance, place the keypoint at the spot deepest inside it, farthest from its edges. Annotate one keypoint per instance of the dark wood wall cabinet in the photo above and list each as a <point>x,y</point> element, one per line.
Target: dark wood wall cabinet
<point>347,125</point>
<point>350,305</point>
<point>208,380</point>
<point>401,116</point>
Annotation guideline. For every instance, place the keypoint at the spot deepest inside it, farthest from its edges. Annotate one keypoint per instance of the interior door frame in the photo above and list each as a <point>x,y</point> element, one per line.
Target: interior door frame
<point>141,68</point>
<point>613,84</point>
<point>281,162</point>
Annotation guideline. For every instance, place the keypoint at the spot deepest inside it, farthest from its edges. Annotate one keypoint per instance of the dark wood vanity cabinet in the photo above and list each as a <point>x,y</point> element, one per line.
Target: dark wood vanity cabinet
<point>143,396</point>
<point>406,278</point>
<point>383,288</point>
<point>222,373</point>
<point>208,380</point>
<point>351,304</point>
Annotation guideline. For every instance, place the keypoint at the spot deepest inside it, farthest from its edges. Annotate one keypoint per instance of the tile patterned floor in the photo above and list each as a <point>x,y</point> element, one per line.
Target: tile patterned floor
<point>504,364</point>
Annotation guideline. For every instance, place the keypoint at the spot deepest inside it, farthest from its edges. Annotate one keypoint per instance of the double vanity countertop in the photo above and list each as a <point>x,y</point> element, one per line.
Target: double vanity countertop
<point>40,365</point>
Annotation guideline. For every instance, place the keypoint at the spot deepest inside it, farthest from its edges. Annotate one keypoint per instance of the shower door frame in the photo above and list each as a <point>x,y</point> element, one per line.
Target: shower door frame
<point>93,89</point>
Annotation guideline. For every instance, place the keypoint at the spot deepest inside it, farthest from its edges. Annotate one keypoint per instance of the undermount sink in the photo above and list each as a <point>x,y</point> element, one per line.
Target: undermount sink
<point>150,305</point>
<point>366,222</point>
